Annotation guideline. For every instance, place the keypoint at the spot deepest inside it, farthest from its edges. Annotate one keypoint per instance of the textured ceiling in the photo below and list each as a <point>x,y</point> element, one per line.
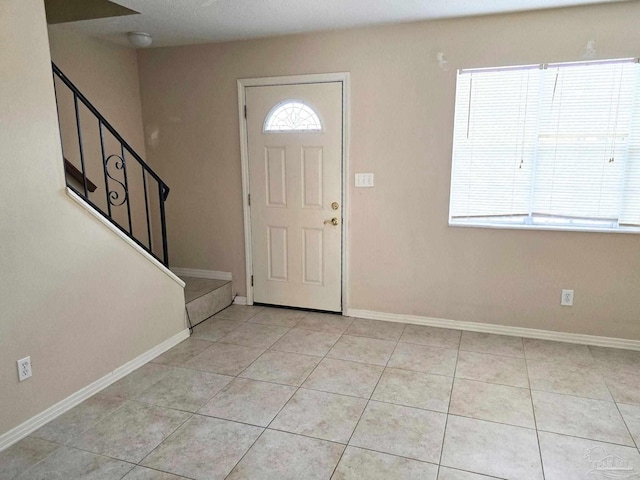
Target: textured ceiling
<point>183,22</point>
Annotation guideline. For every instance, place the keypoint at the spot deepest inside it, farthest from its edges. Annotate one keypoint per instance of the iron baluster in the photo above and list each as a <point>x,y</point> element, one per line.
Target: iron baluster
<point>165,251</point>
<point>84,172</point>
<point>126,189</point>
<point>146,207</point>
<point>104,166</point>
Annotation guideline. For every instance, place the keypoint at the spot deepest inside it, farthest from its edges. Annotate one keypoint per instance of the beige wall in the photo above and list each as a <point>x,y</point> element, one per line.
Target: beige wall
<point>73,296</point>
<point>403,256</point>
<point>107,75</point>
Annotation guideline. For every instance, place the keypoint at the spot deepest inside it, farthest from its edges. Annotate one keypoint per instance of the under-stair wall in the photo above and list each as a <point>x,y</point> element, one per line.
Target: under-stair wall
<point>74,296</point>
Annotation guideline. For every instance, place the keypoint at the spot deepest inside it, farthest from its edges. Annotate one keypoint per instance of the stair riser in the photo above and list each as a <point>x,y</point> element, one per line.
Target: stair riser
<point>210,303</point>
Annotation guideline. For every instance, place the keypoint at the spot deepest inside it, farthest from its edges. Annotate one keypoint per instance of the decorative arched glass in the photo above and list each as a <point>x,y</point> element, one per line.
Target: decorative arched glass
<point>292,116</point>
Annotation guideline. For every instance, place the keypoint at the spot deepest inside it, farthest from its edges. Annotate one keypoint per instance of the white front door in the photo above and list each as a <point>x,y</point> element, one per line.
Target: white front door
<point>295,186</point>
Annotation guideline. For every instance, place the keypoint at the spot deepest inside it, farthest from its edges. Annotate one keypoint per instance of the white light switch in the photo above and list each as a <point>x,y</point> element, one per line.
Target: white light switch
<point>364,180</point>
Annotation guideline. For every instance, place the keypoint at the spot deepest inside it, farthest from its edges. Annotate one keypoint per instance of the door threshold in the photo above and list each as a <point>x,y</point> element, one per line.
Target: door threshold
<point>302,309</point>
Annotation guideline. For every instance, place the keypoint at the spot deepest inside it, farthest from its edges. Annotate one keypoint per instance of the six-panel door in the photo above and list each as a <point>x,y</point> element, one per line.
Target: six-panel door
<point>295,175</point>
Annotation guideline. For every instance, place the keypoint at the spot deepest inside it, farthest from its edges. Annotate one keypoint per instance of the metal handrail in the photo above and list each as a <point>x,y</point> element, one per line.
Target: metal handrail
<point>119,163</point>
<point>112,130</point>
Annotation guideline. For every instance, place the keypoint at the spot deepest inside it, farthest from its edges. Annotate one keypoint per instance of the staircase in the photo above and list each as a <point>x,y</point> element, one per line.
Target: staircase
<point>205,297</point>
<point>103,169</point>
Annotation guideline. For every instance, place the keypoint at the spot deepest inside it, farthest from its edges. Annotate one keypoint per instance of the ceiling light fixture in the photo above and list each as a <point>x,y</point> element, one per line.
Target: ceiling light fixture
<point>139,39</point>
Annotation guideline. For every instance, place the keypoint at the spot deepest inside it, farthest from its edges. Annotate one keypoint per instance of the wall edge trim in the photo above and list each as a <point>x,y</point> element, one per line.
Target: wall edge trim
<point>499,329</point>
<point>197,273</point>
<point>18,433</point>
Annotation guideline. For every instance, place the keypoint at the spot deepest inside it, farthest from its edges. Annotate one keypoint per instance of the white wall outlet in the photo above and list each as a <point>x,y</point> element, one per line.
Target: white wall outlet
<point>567,298</point>
<point>364,180</point>
<point>24,368</point>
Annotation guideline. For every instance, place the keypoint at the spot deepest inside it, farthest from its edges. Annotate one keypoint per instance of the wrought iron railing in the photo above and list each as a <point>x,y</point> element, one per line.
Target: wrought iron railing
<point>132,196</point>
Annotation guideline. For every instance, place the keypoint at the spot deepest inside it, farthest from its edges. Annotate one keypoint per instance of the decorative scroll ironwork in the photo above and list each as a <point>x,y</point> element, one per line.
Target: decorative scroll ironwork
<point>114,195</point>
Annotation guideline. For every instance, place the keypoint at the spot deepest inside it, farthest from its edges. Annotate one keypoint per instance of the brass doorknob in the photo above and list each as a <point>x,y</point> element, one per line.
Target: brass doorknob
<point>333,221</point>
<point>335,206</point>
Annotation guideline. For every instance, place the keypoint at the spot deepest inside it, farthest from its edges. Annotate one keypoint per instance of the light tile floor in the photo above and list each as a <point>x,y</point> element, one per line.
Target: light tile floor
<point>265,393</point>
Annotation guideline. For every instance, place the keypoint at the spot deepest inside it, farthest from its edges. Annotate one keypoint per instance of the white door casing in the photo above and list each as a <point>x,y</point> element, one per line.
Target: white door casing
<point>293,179</point>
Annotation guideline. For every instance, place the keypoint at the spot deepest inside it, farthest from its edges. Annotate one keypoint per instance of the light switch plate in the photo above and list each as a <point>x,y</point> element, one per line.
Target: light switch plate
<point>364,180</point>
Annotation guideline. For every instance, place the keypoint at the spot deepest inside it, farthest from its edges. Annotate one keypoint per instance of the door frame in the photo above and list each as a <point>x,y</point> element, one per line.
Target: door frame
<point>243,83</point>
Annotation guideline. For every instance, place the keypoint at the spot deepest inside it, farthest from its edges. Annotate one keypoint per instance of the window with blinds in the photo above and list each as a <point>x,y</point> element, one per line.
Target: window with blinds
<point>554,146</point>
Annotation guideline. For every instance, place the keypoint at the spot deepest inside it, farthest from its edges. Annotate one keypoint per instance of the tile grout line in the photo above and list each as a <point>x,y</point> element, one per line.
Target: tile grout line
<point>386,403</point>
<point>453,378</point>
<point>124,401</point>
<point>42,460</point>
<point>626,424</point>
<point>264,429</point>
<point>60,445</point>
<point>446,421</point>
<point>492,477</point>
<point>133,399</point>
<point>271,349</point>
<point>588,439</point>
<point>193,414</point>
<point>386,366</point>
<point>368,402</point>
<point>246,452</point>
<point>616,404</point>
<point>298,387</point>
<point>268,349</point>
<point>157,470</point>
<point>139,462</point>
<point>535,419</point>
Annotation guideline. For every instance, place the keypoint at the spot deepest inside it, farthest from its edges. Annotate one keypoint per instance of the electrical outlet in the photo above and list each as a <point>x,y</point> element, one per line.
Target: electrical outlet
<point>24,368</point>
<point>567,298</point>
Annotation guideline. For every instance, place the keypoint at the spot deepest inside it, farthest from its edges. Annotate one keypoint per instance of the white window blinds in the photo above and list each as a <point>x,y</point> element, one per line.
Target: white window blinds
<point>555,147</point>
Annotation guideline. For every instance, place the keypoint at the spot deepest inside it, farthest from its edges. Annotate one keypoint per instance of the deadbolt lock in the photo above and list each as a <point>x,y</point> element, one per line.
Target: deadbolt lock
<point>333,221</point>
<point>335,206</point>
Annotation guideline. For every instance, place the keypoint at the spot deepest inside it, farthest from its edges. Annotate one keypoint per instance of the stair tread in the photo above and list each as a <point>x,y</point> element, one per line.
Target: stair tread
<point>197,287</point>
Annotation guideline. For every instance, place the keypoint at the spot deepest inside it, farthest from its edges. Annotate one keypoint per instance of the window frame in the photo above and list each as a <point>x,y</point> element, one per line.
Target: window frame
<point>278,105</point>
<point>544,222</point>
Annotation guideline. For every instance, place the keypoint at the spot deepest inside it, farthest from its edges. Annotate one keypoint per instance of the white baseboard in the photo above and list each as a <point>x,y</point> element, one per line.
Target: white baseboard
<point>15,434</point>
<point>238,300</point>
<point>196,273</point>
<point>499,329</point>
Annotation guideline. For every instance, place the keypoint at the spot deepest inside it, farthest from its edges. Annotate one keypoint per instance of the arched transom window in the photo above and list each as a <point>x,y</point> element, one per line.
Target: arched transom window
<point>292,115</point>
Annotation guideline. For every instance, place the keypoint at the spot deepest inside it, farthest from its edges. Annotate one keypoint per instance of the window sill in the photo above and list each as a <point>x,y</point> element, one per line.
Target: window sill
<point>557,228</point>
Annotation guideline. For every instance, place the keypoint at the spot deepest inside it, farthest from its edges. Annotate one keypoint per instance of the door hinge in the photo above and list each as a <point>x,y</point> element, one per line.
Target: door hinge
<point>252,280</point>
<point>245,111</point>
<point>249,199</point>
